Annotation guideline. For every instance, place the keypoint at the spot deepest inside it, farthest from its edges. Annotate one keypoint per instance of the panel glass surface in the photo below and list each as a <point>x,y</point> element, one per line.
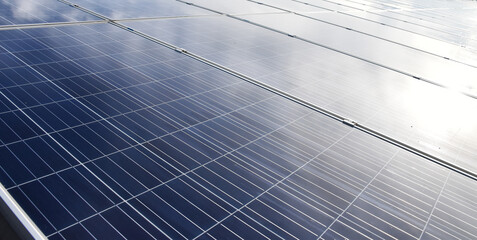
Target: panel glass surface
<point>107,135</point>
<point>406,38</point>
<point>140,8</point>
<point>392,103</point>
<point>144,142</point>
<point>234,6</point>
<point>291,6</point>
<point>416,63</point>
<point>13,12</point>
<point>455,36</point>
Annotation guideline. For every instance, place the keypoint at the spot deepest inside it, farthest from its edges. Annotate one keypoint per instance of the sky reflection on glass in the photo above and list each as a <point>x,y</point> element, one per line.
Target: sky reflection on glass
<point>39,11</point>
<point>135,8</point>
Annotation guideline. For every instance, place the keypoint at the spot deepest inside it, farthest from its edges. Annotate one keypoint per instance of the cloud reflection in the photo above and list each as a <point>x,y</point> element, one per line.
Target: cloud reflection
<point>40,11</point>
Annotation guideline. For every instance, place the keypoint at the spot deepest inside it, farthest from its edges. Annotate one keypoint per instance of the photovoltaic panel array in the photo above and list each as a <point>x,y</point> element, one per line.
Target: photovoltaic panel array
<point>107,133</point>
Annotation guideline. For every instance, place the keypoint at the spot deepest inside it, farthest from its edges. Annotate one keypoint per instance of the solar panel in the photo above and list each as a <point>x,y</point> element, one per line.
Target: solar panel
<point>209,127</point>
<point>14,12</point>
<point>305,70</point>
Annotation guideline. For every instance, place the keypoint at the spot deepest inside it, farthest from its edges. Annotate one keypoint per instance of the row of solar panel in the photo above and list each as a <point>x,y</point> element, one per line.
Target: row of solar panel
<point>462,72</point>
<point>107,134</point>
<point>433,18</point>
<point>212,142</point>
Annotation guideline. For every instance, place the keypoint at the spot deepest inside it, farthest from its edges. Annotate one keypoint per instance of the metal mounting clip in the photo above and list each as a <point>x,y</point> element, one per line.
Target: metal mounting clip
<point>349,122</point>
<point>181,50</point>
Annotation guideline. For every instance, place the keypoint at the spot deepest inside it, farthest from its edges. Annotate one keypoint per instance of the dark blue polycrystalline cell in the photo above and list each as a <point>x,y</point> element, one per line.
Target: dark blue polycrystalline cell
<point>277,229</point>
<point>186,149</point>
<point>132,128</point>
<point>79,147</point>
<point>9,61</point>
<point>114,136</point>
<point>184,207</point>
<point>156,220</point>
<point>18,76</point>
<point>150,163</point>
<point>64,113</point>
<point>5,105</point>
<point>103,178</point>
<point>38,166</point>
<point>98,184</point>
<point>50,208</point>
<point>125,225</point>
<point>40,114</point>
<point>138,172</point>
<point>21,45</point>
<point>13,169</point>
<point>238,220</point>
<point>144,222</point>
<point>56,236</point>
<point>244,183</point>
<point>100,229</point>
<point>93,140</point>
<point>240,228</point>
<point>204,147</point>
<point>76,231</point>
<point>199,197</point>
<point>235,192</point>
<point>45,225</point>
<point>16,126</point>
<point>119,175</point>
<point>219,232</point>
<point>78,112</point>
<point>160,207</point>
<point>68,197</point>
<point>87,190</point>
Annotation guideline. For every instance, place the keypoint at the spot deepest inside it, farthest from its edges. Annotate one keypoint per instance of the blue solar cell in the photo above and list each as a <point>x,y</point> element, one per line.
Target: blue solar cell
<point>100,228</point>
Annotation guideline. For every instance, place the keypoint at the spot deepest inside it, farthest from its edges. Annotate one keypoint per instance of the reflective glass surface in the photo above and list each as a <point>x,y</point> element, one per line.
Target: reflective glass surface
<point>140,8</point>
<point>387,54</point>
<point>385,100</point>
<point>14,12</point>
<point>234,6</point>
<point>105,134</point>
